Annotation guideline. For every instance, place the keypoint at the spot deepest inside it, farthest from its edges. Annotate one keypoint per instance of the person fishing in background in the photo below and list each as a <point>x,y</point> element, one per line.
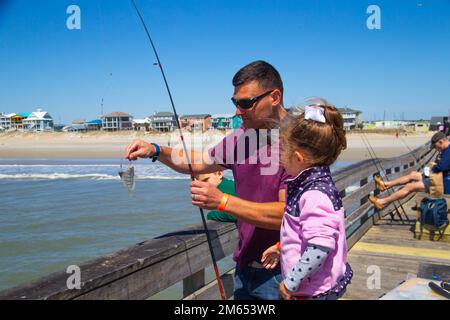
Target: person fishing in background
<point>260,198</point>
<point>446,127</point>
<point>223,184</point>
<point>415,181</point>
<point>313,245</point>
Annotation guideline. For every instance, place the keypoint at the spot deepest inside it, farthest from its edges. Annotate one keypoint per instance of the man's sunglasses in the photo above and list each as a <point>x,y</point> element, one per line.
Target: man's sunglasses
<point>249,102</point>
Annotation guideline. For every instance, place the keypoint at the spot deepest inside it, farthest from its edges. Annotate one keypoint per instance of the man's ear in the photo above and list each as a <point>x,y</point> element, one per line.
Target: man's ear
<point>220,174</point>
<point>276,97</point>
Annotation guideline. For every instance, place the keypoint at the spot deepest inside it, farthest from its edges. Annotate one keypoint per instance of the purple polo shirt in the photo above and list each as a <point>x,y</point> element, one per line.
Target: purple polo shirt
<point>258,177</point>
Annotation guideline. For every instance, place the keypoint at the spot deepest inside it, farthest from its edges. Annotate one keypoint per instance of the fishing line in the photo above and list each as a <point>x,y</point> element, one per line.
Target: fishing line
<point>380,168</point>
<point>417,160</point>
<point>387,178</point>
<point>216,270</point>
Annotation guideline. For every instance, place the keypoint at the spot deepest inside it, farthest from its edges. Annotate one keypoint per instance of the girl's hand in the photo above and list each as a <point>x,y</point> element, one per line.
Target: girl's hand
<point>285,293</point>
<point>270,257</point>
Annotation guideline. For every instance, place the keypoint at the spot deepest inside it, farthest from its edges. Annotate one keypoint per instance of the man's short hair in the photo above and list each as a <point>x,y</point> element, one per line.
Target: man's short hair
<point>261,71</point>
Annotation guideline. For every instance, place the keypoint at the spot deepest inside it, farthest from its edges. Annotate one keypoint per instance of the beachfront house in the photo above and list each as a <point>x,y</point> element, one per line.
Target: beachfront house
<point>83,126</point>
<point>141,124</point>
<point>436,121</point>
<point>5,121</point>
<point>350,117</point>
<point>163,121</point>
<point>418,126</point>
<point>226,121</point>
<point>421,126</point>
<point>195,122</point>
<point>116,121</point>
<point>94,125</point>
<point>38,121</point>
<point>390,124</point>
<point>17,120</point>
<point>75,127</point>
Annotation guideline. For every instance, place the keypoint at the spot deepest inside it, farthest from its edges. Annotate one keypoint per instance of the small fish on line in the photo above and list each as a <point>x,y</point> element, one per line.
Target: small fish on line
<point>127,176</point>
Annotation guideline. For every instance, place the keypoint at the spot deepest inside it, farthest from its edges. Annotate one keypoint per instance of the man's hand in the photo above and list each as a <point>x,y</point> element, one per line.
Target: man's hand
<point>205,195</point>
<point>139,149</point>
<point>285,293</point>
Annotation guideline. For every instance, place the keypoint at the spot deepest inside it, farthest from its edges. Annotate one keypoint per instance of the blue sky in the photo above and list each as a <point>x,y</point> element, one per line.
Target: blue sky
<point>321,48</point>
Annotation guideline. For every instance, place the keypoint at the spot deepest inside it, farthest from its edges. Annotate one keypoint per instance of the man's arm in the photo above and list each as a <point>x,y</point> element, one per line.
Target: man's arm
<point>175,159</point>
<point>443,164</point>
<point>267,215</point>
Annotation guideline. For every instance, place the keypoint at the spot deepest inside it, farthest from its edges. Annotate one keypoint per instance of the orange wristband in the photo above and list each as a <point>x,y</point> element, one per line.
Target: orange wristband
<point>278,246</point>
<point>223,202</point>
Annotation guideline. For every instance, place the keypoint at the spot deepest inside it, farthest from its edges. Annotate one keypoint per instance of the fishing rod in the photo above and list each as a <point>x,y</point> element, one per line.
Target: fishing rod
<point>380,168</point>
<point>373,157</point>
<point>191,171</point>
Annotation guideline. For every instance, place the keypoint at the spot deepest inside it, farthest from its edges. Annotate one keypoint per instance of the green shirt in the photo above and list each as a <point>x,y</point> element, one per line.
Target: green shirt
<point>226,186</point>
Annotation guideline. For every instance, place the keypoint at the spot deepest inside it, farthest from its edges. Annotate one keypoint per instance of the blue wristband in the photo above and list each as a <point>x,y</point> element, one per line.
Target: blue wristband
<point>157,152</point>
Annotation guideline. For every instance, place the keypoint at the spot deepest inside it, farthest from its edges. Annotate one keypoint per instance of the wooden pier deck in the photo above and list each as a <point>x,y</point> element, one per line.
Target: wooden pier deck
<point>392,247</point>
<point>146,269</point>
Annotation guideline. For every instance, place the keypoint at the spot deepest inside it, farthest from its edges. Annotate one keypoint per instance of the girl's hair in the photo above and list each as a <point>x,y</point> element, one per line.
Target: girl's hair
<point>323,142</point>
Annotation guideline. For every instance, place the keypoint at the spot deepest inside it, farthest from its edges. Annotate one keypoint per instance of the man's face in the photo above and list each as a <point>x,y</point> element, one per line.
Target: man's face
<point>259,116</point>
<point>441,144</point>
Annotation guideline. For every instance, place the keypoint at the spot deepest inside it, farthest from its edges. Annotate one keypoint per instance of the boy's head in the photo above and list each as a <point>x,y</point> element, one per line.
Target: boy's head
<point>214,178</point>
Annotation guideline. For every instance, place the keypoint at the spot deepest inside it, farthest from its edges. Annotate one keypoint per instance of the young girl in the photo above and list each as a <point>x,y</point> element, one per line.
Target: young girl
<point>312,246</point>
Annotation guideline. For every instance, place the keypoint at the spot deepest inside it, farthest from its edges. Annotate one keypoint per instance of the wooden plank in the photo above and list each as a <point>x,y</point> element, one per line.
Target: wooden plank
<point>401,236</point>
<point>351,178</point>
<point>108,269</point>
<point>357,215</point>
<point>356,196</point>
<point>193,282</point>
<point>211,290</point>
<point>429,270</point>
<point>153,279</point>
<point>393,271</point>
<point>401,250</point>
<point>357,235</point>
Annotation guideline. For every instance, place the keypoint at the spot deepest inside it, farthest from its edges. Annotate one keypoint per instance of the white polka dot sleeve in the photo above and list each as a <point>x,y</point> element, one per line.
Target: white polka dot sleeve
<point>311,260</point>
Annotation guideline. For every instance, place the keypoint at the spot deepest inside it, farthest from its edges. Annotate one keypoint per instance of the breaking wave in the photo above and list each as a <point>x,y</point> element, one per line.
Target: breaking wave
<point>94,176</point>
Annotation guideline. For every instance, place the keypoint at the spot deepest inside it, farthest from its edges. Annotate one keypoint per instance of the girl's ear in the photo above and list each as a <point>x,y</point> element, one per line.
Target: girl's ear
<point>299,157</point>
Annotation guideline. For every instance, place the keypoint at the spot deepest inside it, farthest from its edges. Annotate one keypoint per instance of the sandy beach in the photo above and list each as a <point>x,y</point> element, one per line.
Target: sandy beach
<point>96,145</point>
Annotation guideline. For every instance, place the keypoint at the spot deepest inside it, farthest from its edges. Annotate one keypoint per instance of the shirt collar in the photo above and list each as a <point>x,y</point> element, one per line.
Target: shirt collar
<point>309,173</point>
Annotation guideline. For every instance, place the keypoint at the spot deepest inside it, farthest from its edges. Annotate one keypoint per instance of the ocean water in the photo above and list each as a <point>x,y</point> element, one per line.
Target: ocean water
<point>55,213</point>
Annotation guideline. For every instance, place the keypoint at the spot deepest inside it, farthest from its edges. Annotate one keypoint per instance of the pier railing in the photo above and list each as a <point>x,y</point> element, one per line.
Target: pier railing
<point>148,268</point>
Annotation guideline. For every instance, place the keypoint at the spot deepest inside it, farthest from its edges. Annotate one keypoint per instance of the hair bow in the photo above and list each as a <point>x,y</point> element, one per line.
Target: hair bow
<point>315,114</point>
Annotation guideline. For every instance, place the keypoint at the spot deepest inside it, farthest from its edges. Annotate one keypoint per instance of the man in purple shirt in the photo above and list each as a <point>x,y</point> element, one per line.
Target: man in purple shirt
<point>252,155</point>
